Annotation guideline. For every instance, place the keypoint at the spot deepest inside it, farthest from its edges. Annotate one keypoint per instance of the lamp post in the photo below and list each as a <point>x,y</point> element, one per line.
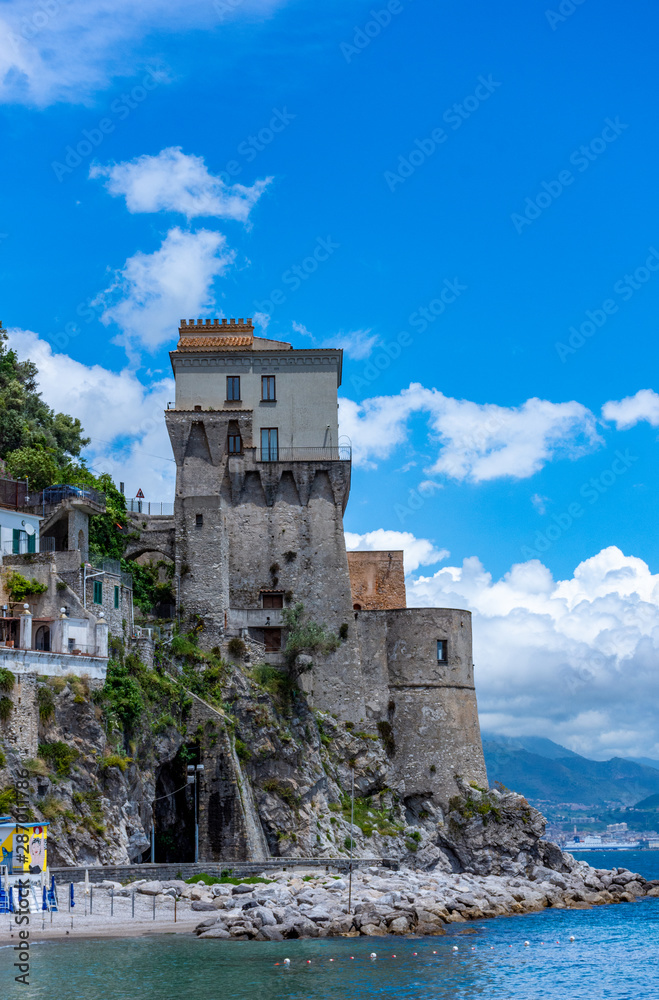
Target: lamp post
<point>194,773</point>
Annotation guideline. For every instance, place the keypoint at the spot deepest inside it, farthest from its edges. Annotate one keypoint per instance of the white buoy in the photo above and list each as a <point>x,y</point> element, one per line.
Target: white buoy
<point>526,944</point>
<point>572,937</point>
<point>455,947</point>
<point>287,961</point>
<point>373,956</point>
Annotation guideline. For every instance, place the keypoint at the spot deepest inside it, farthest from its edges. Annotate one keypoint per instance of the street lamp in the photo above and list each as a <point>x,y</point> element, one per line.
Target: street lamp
<point>194,773</point>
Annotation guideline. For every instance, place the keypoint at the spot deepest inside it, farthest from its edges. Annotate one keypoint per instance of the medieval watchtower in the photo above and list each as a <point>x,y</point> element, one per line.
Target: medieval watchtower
<point>261,487</point>
<point>262,483</point>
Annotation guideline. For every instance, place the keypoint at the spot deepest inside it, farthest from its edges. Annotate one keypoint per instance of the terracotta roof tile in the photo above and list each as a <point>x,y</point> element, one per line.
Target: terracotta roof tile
<point>212,343</point>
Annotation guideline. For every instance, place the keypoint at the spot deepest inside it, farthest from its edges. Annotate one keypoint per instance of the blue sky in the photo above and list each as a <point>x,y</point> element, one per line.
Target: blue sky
<point>500,158</point>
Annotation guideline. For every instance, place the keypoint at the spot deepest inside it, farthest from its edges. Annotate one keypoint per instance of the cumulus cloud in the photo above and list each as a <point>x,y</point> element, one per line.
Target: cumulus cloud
<point>66,51</point>
<point>417,551</point>
<point>123,417</point>
<point>151,292</point>
<point>628,412</point>
<point>174,181</point>
<point>574,660</point>
<point>476,441</point>
<point>357,344</point>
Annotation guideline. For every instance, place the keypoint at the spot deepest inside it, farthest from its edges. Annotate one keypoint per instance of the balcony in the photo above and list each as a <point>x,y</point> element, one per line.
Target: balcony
<point>341,453</point>
<point>255,618</point>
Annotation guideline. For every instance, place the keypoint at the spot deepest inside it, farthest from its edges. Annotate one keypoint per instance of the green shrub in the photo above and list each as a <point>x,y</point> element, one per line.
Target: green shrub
<point>19,587</point>
<point>123,693</point>
<point>3,758</point>
<point>46,703</point>
<point>236,647</point>
<point>60,756</point>
<point>242,750</point>
<point>387,736</point>
<point>225,879</point>
<point>115,760</point>
<point>305,637</point>
<point>285,793</point>
<point>7,799</point>
<point>7,680</point>
<point>6,708</point>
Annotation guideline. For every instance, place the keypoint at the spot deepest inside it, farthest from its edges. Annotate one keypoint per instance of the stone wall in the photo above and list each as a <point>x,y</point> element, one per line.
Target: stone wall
<point>377,580</point>
<point>430,705</point>
<point>21,729</point>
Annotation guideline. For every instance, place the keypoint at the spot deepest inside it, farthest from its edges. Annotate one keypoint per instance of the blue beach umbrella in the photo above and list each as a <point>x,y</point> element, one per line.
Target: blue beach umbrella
<point>71,896</point>
<point>44,899</point>
<point>11,899</point>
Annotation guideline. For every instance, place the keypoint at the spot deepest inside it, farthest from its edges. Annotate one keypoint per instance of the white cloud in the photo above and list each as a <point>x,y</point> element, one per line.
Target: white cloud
<point>633,409</point>
<point>539,503</point>
<point>151,292</point>
<point>357,344</point>
<point>123,418</point>
<point>63,50</point>
<point>418,551</point>
<point>477,442</point>
<point>573,660</point>
<point>174,181</point>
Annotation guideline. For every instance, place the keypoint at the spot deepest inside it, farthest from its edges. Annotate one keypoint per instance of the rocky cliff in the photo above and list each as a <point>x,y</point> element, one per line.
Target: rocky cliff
<point>277,778</point>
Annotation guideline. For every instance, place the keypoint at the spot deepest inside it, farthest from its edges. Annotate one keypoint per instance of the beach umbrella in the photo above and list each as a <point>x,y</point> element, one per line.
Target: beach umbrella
<point>71,896</point>
<point>86,881</point>
<point>44,900</point>
<point>11,899</point>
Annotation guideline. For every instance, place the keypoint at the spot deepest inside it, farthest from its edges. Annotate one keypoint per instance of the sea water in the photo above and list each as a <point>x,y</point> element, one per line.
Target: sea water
<point>615,956</point>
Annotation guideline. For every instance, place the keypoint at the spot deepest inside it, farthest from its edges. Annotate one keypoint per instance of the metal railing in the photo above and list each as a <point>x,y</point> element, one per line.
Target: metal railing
<point>342,453</point>
<point>46,501</point>
<point>149,507</point>
<point>27,545</point>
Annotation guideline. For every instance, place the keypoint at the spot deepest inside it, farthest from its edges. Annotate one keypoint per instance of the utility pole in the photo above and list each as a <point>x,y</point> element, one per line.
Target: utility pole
<point>352,823</point>
<point>194,774</point>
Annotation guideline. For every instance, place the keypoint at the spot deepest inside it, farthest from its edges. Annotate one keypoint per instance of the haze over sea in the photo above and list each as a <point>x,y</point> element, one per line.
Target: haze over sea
<point>613,957</point>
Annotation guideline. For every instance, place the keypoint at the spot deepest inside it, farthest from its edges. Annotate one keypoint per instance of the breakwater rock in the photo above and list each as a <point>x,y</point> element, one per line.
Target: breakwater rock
<point>403,902</point>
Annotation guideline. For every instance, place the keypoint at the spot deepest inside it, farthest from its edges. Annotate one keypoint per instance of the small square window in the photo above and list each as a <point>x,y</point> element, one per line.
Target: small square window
<point>116,597</point>
<point>442,650</point>
<point>268,388</point>
<point>272,601</point>
<point>199,520</point>
<point>98,592</point>
<point>233,387</point>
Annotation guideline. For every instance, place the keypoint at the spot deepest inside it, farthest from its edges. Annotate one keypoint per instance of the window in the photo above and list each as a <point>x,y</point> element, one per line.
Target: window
<point>272,601</point>
<point>116,597</point>
<point>233,387</point>
<point>235,444</point>
<point>269,444</point>
<point>199,521</point>
<point>98,592</point>
<point>442,650</point>
<point>272,639</point>
<point>268,388</point>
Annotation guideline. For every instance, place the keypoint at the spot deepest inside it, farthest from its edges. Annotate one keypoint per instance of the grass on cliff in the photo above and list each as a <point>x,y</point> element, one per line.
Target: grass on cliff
<point>204,879</point>
<point>470,807</point>
<point>367,817</point>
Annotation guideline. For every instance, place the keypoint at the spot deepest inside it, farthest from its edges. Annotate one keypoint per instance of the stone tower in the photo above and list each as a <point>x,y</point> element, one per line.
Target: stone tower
<point>262,484</point>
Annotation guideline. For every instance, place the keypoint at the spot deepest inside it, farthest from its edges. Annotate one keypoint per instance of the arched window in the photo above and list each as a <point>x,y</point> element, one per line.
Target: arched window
<point>356,607</point>
<point>42,639</point>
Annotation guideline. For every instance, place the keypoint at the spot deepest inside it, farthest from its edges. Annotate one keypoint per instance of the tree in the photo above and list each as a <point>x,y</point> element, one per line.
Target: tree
<point>26,422</point>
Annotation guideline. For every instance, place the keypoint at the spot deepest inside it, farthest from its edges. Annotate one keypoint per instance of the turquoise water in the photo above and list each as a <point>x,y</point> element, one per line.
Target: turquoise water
<point>615,957</point>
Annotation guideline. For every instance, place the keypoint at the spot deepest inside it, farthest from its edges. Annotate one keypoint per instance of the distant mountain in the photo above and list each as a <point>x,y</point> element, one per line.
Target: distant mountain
<point>545,771</point>
<point>648,761</point>
<point>652,802</point>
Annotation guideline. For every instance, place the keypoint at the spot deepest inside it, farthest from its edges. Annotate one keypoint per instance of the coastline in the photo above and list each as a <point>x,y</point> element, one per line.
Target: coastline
<point>309,904</point>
